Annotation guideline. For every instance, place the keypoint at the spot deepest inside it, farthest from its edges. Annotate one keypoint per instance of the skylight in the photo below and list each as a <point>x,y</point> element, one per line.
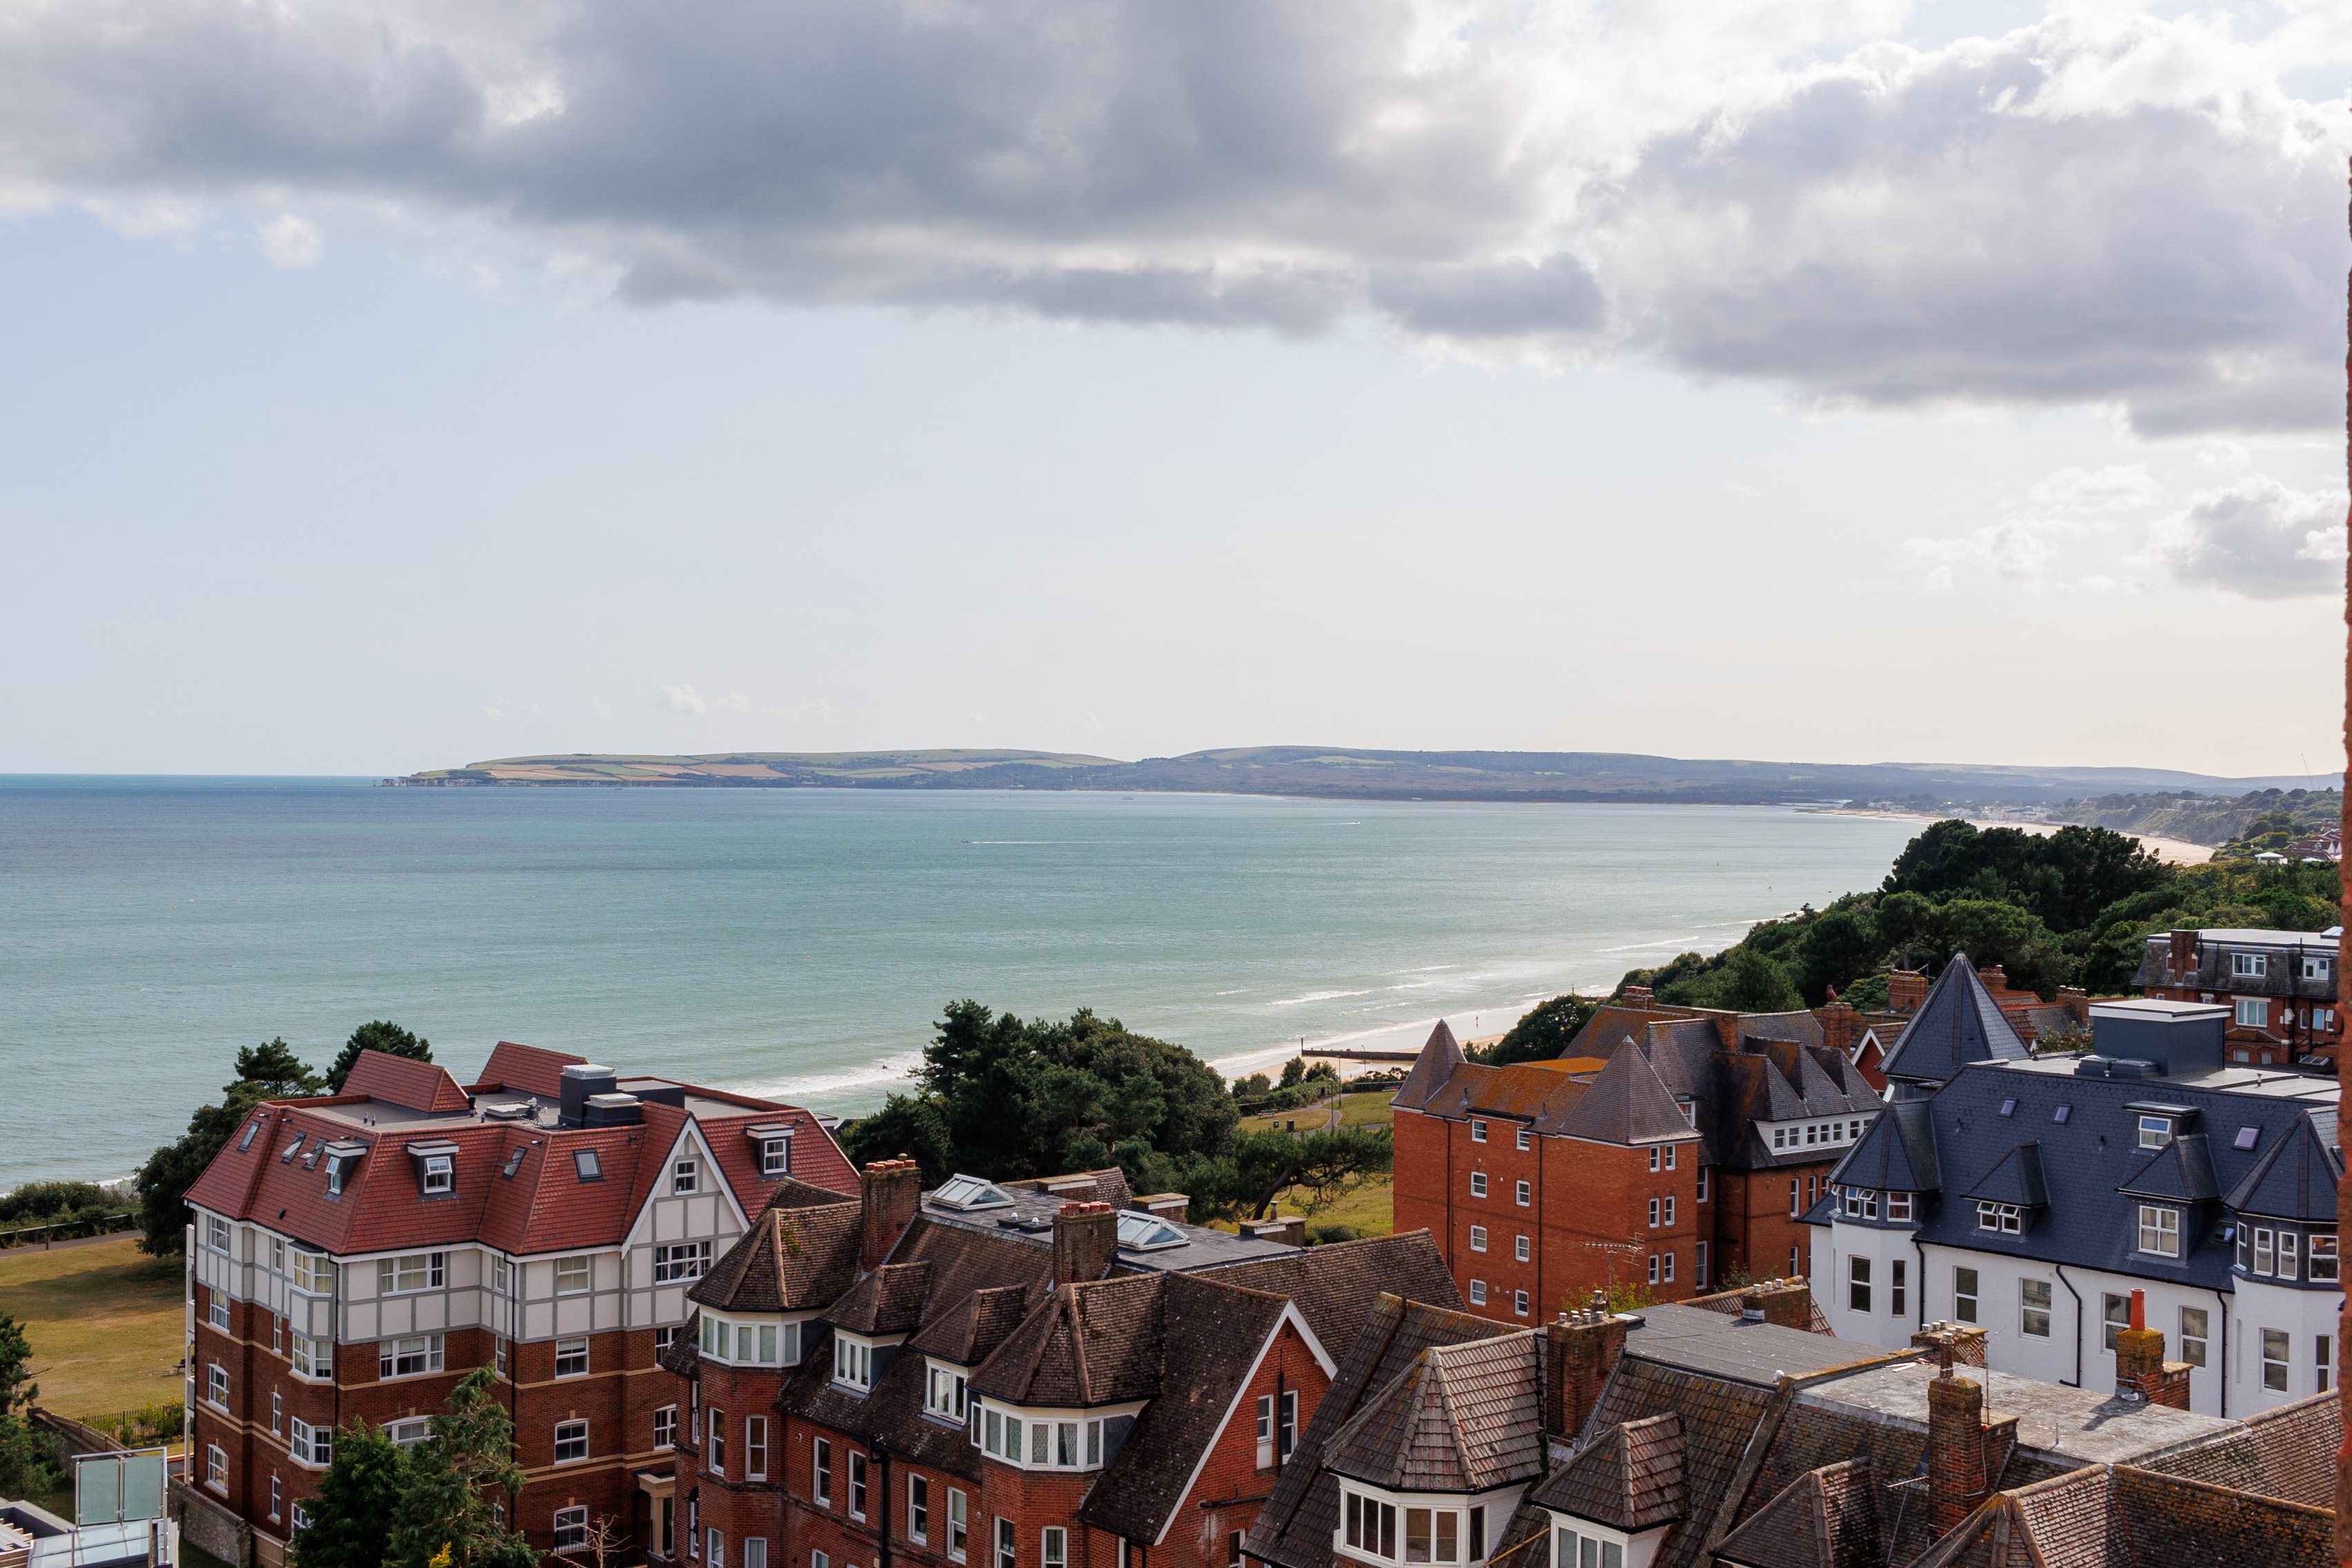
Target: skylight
<point>292,1149</point>
<point>2008,1108</point>
<point>1139,1232</point>
<point>2061,1114</point>
<point>584,1162</point>
<point>969,1193</point>
<point>251,1129</point>
<point>514,1162</point>
<point>2246,1138</point>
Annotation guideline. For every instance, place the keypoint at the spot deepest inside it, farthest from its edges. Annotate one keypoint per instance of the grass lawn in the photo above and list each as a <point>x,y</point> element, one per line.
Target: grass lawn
<point>1369,1108</point>
<point>105,1324</point>
<point>1369,1210</point>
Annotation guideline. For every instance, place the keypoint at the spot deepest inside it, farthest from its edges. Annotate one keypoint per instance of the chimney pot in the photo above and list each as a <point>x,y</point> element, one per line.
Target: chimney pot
<point>1579,1356</point>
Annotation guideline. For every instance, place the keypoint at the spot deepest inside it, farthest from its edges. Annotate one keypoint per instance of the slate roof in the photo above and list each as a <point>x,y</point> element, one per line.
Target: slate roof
<point>2181,1171</point>
<point>1897,1153</point>
<point>2084,1164</point>
<point>1458,1418</point>
<point>1766,1081</point>
<point>969,1331</point>
<point>1626,1103</point>
<point>1335,1285</point>
<point>888,1300</point>
<point>1957,1024</point>
<point>2296,1179</point>
<point>1294,1527</point>
<point>1826,1518</point>
<point>1093,1342</point>
<point>799,1254</point>
<point>1440,1055</point>
<point>1629,1478</point>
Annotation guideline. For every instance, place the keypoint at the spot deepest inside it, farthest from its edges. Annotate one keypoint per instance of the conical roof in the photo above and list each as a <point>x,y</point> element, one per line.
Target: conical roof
<point>2296,1180</point>
<point>1439,1057</point>
<point>1897,1154</point>
<point>1958,1023</point>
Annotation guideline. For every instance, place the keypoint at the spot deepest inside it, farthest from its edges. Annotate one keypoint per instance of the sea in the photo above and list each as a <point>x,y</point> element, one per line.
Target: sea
<point>800,944</point>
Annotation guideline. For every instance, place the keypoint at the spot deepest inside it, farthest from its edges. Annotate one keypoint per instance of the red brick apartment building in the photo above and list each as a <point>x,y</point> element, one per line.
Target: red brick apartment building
<point>995,1377</point>
<point>352,1257</point>
<point>2279,985</point>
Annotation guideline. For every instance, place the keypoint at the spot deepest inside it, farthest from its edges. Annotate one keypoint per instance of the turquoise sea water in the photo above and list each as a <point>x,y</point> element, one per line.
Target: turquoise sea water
<point>799,942</point>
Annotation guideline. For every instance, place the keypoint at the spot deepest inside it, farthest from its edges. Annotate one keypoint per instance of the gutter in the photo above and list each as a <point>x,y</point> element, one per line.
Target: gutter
<point>2078,1322</point>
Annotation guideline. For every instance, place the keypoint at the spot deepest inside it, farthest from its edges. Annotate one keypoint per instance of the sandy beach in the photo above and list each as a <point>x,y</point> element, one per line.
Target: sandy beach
<point>2174,851</point>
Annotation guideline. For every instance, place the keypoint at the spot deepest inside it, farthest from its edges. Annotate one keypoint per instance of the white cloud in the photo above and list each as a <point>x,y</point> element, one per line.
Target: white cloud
<point>683,698</point>
<point>290,241</point>
<point>2103,206</point>
<point>2013,551</point>
<point>734,702</point>
<point>599,706</point>
<point>2257,539</point>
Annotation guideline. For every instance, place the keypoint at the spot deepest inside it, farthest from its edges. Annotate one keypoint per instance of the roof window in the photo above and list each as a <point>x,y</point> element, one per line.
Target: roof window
<point>292,1149</point>
<point>969,1193</point>
<point>252,1128</point>
<point>514,1161</point>
<point>2155,1131</point>
<point>2247,1137</point>
<point>1139,1232</point>
<point>585,1162</point>
<point>2062,1115</point>
<point>2008,1108</point>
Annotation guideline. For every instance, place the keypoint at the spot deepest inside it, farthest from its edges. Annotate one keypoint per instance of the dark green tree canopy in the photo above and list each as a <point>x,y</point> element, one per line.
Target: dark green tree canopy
<point>351,1512</point>
<point>266,1071</point>
<point>1543,1032</point>
<point>378,1036</point>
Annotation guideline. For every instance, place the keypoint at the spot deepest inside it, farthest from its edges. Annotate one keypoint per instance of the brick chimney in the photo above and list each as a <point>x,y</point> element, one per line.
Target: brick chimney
<point>1787,1303</point>
<point>889,1190</point>
<point>2140,1364</point>
<point>1960,1345</point>
<point>1995,977</point>
<point>1174,1207</point>
<point>1580,1349</point>
<point>1640,998</point>
<point>1956,1448</point>
<point>1085,1239</point>
<point>1906,989</point>
<point>1840,1025</point>
<point>2181,961</point>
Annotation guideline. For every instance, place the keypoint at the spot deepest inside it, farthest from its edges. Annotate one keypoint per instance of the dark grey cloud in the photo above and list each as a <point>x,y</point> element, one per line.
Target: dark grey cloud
<point>2128,213</point>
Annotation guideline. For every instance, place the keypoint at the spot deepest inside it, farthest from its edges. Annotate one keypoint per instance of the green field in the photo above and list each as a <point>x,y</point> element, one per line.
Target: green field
<point>105,1322</point>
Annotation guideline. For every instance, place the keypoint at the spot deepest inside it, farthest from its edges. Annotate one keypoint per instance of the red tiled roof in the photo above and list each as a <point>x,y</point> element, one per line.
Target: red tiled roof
<point>526,1067</point>
<point>406,1082</point>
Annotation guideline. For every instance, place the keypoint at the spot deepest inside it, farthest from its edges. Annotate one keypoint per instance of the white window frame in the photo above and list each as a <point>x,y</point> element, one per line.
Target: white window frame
<point>853,1363</point>
<point>216,1386</point>
<point>408,1355</point>
<point>2029,1309</point>
<point>311,1358</point>
<point>677,1261</point>
<point>1523,1192</point>
<point>959,1524</point>
<point>1478,1292</point>
<point>2159,1230</point>
<point>2252,1011</point>
<point>1526,1138</point>
<point>439,1176</point>
<point>1477,1183</point>
<point>1478,1130</point>
<point>571,1352</point>
<point>1477,1238</point>
<point>2250,966</point>
<point>775,1157</point>
<point>216,1467</point>
<point>571,1434</point>
<point>665,1429</point>
<point>576,1274</point>
<point>411,1273</point>
<point>755,1447</point>
<point>570,1527</point>
<point>2277,1371</point>
<point>1522,1248</point>
<point>2194,1347</point>
<point>918,1509</point>
<point>685,1178</point>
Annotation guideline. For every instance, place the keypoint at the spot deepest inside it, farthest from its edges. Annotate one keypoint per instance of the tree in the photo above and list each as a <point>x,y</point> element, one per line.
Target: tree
<point>1837,949</point>
<point>1255,1168</point>
<point>379,1036</point>
<point>907,1125</point>
<point>451,1490</point>
<point>17,1389</point>
<point>27,1459</point>
<point>348,1516</point>
<point>268,1071</point>
<point>1752,982</point>
<point>1543,1032</point>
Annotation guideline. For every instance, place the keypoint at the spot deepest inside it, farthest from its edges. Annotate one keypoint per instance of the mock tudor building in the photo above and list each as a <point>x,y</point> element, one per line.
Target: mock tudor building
<point>1003,1375</point>
<point>2034,1196</point>
<point>354,1255</point>
<point>1663,1150</point>
<point>2279,985</point>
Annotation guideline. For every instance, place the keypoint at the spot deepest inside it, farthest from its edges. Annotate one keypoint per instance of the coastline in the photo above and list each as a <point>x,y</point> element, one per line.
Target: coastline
<point>2172,852</point>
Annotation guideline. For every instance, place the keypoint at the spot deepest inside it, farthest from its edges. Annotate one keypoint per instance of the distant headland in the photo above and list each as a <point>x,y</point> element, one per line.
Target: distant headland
<point>1346,772</point>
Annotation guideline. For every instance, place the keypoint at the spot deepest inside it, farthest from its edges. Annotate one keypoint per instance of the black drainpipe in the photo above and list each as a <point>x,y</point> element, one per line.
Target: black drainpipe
<point>882,1509</point>
<point>2218,1296</point>
<point>2078,1322</point>
<point>1921,1248</point>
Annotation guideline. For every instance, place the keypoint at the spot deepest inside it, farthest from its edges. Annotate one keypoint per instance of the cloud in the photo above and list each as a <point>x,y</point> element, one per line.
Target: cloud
<point>2105,208</point>
<point>2013,551</point>
<point>2257,539</point>
<point>683,700</point>
<point>734,702</point>
<point>290,241</point>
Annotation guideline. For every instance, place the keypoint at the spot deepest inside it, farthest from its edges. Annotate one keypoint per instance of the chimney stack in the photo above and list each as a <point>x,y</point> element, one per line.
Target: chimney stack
<point>2140,1365</point>
<point>1580,1349</point>
<point>1085,1239</point>
<point>2182,961</point>
<point>1640,998</point>
<point>1174,1207</point>
<point>1840,1025</point>
<point>1786,1302</point>
<point>1995,977</point>
<point>1906,990</point>
<point>888,1191</point>
<point>1956,1447</point>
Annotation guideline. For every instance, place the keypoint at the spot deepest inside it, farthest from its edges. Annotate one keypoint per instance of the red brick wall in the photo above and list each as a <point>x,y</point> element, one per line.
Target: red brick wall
<point>1597,1197</point>
<point>1422,1155</point>
<point>1754,1229</point>
<point>1226,1494</point>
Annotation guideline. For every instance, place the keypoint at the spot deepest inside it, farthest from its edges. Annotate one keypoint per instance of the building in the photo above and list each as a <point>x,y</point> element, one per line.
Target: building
<point>2034,1196</point>
<point>1663,1150</point>
<point>352,1257</point>
<point>2279,985</point>
<point>1681,1437</point>
<point>1019,1376</point>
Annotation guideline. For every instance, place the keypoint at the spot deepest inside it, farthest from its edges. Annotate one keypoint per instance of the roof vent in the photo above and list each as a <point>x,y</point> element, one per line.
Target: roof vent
<point>511,1111</point>
<point>611,1110</point>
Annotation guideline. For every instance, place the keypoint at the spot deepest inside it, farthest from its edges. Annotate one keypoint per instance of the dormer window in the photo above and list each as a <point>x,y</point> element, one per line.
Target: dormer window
<point>775,1157</point>
<point>2155,1131</point>
<point>1898,1207</point>
<point>2317,968</point>
<point>1581,1548</point>
<point>853,1363</point>
<point>1861,1203</point>
<point>440,1173</point>
<point>2003,1219</point>
<point>1040,1442</point>
<point>2249,965</point>
<point>2159,1230</point>
<point>946,1392</point>
<point>751,1345</point>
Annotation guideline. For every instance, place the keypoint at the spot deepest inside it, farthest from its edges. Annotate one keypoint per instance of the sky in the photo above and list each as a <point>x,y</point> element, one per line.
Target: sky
<point>387,387</point>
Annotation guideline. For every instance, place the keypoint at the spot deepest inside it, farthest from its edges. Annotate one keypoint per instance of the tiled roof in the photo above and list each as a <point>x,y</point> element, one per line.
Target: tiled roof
<point>1958,1023</point>
<point>526,1067</point>
<point>969,1331</point>
<point>1458,1418</point>
<point>1335,1285</point>
<point>2287,1452</point>
<point>797,1255</point>
<point>1438,1059</point>
<point>889,1301</point>
<point>1626,1103</point>
<point>1523,1091</point>
<point>2296,1179</point>
<point>1094,1341</point>
<point>1294,1527</point>
<point>2116,1516</point>
<point>1629,1478</point>
<point>1827,1518</point>
<point>404,1081</point>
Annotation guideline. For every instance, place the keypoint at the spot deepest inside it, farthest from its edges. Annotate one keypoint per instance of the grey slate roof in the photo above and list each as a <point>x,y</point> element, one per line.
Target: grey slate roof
<point>1897,1153</point>
<point>2296,1179</point>
<point>1958,1023</point>
<point>2182,1170</point>
<point>2086,1161</point>
<point>1626,1103</point>
<point>2015,1178</point>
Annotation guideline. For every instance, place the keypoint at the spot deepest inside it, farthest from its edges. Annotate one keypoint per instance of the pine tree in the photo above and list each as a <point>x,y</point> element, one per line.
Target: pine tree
<point>266,1071</point>
<point>379,1036</point>
<point>452,1506</point>
<point>346,1518</point>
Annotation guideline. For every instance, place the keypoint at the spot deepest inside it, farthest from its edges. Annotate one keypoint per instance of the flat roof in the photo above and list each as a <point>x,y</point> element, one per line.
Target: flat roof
<point>382,1116</point>
<point>1724,1345</point>
<point>2151,1008</point>
<point>2252,936</point>
<point>2073,1424</point>
<point>2272,1083</point>
<point>1030,1217</point>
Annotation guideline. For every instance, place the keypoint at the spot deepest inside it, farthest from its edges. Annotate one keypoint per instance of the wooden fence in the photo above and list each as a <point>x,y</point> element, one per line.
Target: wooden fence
<point>70,1229</point>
